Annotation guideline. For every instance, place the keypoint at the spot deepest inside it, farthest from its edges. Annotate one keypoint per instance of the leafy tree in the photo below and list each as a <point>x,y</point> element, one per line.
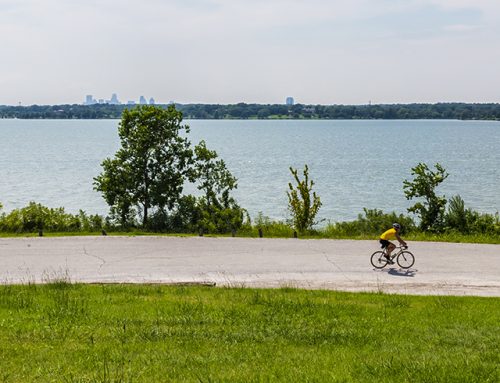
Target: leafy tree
<point>219,210</point>
<point>301,204</point>
<point>214,179</point>
<point>431,210</point>
<point>149,170</point>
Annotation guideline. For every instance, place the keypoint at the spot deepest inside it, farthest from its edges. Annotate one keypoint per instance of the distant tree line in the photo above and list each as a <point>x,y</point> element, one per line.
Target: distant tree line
<point>452,111</point>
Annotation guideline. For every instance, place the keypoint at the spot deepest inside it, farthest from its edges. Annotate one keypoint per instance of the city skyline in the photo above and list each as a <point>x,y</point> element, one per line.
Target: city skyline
<point>114,100</point>
<point>226,52</point>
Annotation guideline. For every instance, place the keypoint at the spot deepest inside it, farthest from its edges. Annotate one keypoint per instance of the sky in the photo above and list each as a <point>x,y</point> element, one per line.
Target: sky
<point>253,51</point>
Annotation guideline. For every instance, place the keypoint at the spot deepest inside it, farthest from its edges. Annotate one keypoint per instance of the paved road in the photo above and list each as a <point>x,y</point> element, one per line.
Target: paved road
<point>440,268</point>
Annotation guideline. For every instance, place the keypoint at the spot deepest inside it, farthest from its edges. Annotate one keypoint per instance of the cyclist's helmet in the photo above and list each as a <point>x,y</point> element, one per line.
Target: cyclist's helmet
<point>396,225</point>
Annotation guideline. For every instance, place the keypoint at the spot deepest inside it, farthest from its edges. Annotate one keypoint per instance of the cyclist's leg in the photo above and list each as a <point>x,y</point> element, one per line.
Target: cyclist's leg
<point>390,247</point>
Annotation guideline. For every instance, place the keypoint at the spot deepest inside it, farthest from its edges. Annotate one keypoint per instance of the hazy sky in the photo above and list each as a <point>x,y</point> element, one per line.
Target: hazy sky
<point>229,51</point>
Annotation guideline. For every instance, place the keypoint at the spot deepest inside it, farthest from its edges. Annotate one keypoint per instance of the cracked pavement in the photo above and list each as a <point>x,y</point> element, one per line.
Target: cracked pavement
<point>440,268</point>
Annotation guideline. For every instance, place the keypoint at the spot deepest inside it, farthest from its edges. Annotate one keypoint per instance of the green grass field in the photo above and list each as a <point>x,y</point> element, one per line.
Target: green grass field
<point>62,332</point>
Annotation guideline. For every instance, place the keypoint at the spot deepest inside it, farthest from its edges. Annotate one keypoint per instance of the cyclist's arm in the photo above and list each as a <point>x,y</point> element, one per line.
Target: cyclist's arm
<point>400,240</point>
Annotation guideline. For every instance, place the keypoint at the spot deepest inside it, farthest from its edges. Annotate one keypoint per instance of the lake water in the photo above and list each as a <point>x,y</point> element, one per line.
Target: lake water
<point>354,164</point>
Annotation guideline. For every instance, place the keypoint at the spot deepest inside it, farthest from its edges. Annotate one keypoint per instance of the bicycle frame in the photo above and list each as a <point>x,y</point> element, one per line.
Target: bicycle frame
<point>394,252</point>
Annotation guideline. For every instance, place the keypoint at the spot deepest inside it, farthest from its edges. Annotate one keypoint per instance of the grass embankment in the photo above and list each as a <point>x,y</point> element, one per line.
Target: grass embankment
<point>279,231</point>
<point>136,333</point>
<point>286,233</point>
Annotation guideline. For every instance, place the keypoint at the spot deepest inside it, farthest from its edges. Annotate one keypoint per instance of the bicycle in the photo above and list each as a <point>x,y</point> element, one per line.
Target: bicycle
<point>404,258</point>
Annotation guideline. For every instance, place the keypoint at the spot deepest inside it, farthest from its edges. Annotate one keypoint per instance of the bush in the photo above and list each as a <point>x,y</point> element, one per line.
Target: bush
<point>374,222</point>
<point>467,221</point>
<point>36,217</point>
<point>269,227</point>
<point>191,214</point>
<point>456,216</point>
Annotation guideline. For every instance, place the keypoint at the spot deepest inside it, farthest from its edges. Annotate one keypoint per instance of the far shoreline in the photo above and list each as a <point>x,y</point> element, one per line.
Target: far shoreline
<point>264,119</point>
<point>243,111</point>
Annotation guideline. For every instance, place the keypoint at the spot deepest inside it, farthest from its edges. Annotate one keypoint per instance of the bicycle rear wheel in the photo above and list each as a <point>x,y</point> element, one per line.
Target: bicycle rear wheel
<point>405,260</point>
<point>378,260</point>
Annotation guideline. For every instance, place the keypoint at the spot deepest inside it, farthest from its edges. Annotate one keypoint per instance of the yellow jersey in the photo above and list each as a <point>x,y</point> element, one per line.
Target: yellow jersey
<point>389,234</point>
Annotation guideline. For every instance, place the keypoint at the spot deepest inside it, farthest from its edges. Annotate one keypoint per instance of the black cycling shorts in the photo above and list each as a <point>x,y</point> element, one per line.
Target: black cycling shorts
<point>384,243</point>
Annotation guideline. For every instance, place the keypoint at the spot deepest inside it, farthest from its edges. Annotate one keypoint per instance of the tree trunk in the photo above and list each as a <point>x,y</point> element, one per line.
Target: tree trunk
<point>145,217</point>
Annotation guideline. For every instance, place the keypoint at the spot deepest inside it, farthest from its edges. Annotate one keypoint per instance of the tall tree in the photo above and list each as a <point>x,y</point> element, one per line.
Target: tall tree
<point>150,168</point>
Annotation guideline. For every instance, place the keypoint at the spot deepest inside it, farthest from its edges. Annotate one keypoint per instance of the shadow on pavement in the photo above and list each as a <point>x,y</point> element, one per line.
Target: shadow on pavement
<point>402,272</point>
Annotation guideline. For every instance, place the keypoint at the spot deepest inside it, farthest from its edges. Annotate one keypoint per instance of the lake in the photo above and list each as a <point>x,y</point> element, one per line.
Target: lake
<point>354,164</point>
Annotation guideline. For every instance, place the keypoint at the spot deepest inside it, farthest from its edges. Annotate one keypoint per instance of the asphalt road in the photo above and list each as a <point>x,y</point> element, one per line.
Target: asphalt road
<point>440,268</point>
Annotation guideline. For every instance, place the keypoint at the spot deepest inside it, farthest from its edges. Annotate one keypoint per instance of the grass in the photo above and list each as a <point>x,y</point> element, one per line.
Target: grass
<point>456,237</point>
<point>63,332</point>
<point>281,230</point>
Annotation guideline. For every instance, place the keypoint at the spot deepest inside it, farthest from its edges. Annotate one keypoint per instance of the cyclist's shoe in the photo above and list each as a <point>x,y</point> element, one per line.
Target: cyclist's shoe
<point>389,261</point>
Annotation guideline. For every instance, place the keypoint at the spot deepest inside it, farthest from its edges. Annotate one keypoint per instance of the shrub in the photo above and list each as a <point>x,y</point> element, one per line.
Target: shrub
<point>35,217</point>
<point>269,227</point>
<point>191,214</point>
<point>374,222</point>
<point>302,205</point>
<point>467,221</point>
<point>456,216</point>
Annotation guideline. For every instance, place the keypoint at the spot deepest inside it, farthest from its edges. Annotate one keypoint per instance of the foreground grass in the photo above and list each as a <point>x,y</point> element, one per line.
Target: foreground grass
<point>140,333</point>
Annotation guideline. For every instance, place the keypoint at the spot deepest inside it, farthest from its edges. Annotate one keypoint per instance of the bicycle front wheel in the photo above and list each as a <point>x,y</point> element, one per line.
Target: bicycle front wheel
<point>378,260</point>
<point>405,260</point>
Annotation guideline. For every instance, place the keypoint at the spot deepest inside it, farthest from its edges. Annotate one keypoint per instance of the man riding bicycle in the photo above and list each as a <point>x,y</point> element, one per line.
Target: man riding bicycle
<point>388,235</point>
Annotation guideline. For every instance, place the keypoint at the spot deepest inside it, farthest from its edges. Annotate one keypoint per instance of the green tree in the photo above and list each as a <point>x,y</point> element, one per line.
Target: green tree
<point>425,181</point>
<point>302,205</point>
<point>220,212</point>
<point>149,170</point>
<point>211,173</point>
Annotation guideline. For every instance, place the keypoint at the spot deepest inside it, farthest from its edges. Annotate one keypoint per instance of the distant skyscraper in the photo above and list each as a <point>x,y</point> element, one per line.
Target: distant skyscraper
<point>130,102</point>
<point>289,101</point>
<point>89,100</point>
<point>114,99</point>
<point>151,101</point>
<point>142,100</point>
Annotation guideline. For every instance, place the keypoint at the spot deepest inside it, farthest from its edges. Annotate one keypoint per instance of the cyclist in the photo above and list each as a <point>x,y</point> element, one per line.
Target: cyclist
<point>391,234</point>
